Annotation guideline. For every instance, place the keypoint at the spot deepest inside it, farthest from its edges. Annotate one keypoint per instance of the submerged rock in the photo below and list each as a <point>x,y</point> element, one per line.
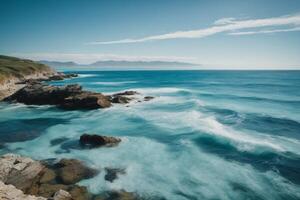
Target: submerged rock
<point>98,140</point>
<point>126,93</point>
<point>148,98</point>
<point>117,195</point>
<point>113,173</point>
<point>120,99</point>
<point>70,171</point>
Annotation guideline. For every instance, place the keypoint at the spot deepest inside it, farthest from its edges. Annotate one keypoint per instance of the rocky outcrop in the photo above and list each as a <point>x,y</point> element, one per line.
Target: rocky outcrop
<point>67,97</point>
<point>70,171</point>
<point>10,192</point>
<point>36,178</point>
<point>98,140</point>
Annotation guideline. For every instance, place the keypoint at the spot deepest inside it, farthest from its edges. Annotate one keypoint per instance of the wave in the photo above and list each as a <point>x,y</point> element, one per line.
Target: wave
<point>251,98</point>
<point>113,83</point>
<point>162,90</point>
<point>87,75</point>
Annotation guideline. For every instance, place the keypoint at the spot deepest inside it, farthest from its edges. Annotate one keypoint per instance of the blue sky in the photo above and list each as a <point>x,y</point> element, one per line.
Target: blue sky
<point>216,33</point>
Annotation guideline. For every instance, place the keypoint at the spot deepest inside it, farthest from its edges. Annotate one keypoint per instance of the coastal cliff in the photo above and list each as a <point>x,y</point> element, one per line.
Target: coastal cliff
<point>15,70</point>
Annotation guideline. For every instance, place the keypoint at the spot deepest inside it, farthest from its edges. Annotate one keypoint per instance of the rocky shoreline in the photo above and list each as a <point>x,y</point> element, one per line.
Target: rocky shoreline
<point>24,178</point>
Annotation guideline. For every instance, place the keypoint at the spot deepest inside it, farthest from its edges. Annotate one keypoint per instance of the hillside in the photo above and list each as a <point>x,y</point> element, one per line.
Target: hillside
<point>11,67</point>
<point>114,63</point>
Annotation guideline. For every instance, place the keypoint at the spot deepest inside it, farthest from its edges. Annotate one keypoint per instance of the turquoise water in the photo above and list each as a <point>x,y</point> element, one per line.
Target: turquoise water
<point>206,135</point>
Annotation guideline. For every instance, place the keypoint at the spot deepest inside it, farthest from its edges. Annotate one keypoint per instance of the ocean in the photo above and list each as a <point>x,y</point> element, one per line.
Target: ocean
<point>206,134</point>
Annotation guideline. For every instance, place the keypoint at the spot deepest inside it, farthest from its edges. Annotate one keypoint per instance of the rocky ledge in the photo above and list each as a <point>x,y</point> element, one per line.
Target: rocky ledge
<point>24,178</point>
<point>69,97</point>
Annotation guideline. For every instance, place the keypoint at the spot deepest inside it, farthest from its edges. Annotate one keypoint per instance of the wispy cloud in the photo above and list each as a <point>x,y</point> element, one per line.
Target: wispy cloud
<point>84,58</point>
<point>220,26</point>
<point>265,31</point>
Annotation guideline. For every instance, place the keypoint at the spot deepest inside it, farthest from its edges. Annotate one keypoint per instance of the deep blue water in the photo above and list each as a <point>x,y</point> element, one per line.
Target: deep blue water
<point>206,135</point>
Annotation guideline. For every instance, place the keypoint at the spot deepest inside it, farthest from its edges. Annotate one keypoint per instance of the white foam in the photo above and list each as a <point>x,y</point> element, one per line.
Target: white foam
<point>87,75</point>
<point>113,83</point>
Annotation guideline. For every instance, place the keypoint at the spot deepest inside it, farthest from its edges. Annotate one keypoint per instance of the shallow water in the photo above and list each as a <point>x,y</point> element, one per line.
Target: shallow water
<point>206,135</point>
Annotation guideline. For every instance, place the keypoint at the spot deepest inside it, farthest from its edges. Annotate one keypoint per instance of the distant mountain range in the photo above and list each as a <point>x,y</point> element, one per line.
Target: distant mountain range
<point>112,63</point>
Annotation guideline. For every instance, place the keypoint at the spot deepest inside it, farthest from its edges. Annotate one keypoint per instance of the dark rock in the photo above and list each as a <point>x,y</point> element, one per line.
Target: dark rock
<point>120,99</point>
<point>70,171</point>
<point>116,195</point>
<point>98,140</point>
<point>79,192</point>
<point>113,173</point>
<point>67,97</point>
<point>148,98</point>
<point>86,100</point>
<point>48,176</point>
<point>126,93</point>
<point>48,190</point>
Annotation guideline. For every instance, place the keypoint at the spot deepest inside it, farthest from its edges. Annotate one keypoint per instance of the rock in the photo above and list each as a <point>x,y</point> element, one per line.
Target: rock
<point>49,175</point>
<point>126,93</point>
<point>23,174</point>
<point>70,171</point>
<point>86,100</point>
<point>10,192</point>
<point>113,173</point>
<point>39,94</point>
<point>98,140</point>
<point>67,97</point>
<point>148,98</point>
<point>120,99</point>
<point>19,171</point>
<point>62,195</point>
<point>79,192</point>
<point>48,190</point>
<point>61,76</point>
<point>116,195</point>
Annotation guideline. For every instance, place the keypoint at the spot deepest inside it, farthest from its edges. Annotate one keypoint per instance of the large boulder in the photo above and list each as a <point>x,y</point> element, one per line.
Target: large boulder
<point>67,97</point>
<point>70,171</point>
<point>86,100</point>
<point>41,94</point>
<point>98,140</point>
<point>19,171</point>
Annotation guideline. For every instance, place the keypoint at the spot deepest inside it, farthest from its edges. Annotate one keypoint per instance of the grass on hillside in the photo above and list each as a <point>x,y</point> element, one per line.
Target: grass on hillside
<point>15,67</point>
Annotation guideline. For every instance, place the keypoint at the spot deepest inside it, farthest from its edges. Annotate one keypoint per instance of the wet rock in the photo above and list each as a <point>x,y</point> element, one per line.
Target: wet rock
<point>113,173</point>
<point>48,190</point>
<point>116,195</point>
<point>49,175</point>
<point>120,99</point>
<point>86,100</point>
<point>70,171</point>
<point>62,195</point>
<point>68,97</point>
<point>79,192</point>
<point>126,93</point>
<point>98,140</point>
<point>148,98</point>
<point>61,76</point>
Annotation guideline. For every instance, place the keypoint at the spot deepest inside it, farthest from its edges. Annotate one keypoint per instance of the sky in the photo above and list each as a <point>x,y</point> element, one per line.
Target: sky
<point>216,34</point>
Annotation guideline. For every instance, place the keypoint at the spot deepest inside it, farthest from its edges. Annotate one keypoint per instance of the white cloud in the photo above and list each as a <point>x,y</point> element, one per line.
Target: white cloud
<point>222,25</point>
<point>265,31</point>
<point>222,21</point>
<point>83,58</point>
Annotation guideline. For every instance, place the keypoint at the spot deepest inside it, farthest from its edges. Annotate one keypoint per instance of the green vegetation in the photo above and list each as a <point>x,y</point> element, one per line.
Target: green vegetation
<point>16,67</point>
